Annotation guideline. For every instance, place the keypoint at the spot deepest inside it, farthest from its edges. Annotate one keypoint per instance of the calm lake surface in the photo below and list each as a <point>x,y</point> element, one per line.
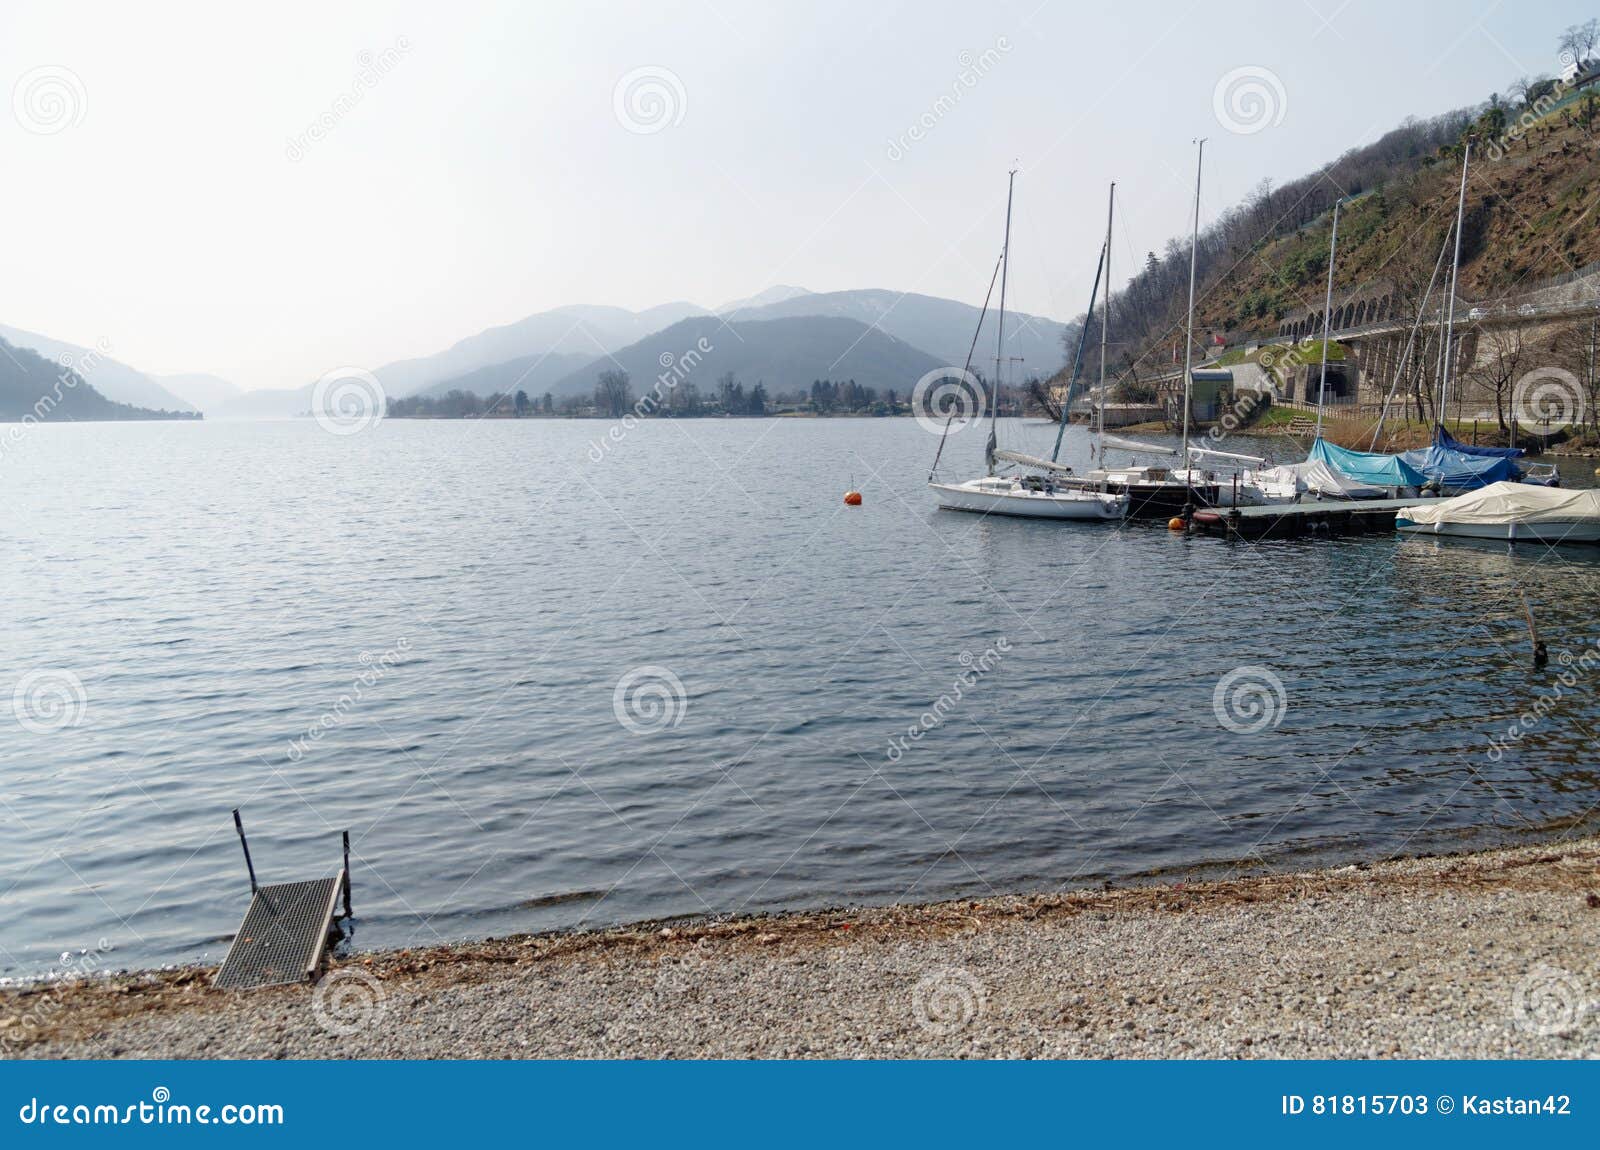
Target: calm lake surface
<point>418,633</point>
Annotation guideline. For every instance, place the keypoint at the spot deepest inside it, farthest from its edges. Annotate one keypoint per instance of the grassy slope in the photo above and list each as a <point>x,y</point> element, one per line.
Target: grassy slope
<point>1532,214</point>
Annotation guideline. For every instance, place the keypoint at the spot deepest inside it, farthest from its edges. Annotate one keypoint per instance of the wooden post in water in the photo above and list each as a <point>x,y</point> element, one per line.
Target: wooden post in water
<point>347,911</point>
<point>1541,655</point>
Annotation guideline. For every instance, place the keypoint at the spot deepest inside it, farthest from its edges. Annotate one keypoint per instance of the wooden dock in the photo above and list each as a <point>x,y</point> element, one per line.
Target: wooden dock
<point>1325,517</point>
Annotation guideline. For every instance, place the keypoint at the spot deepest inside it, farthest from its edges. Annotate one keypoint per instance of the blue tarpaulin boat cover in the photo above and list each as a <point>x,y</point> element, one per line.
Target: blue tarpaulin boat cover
<point>1443,438</point>
<point>1462,472</point>
<point>1365,467</point>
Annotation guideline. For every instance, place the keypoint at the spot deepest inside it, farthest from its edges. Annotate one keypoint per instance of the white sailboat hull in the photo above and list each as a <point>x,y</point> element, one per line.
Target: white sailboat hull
<point>1005,497</point>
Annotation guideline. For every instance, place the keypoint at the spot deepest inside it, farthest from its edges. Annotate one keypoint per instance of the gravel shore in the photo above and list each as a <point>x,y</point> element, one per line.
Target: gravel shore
<point>1476,956</point>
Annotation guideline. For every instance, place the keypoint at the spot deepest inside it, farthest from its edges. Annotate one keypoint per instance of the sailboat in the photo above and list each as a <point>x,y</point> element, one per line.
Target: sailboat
<point>1445,464</point>
<point>1027,496</point>
<point>1155,491</point>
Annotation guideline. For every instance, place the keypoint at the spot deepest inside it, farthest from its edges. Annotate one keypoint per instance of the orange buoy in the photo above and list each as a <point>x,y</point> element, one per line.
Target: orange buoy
<point>1176,523</point>
<point>852,498</point>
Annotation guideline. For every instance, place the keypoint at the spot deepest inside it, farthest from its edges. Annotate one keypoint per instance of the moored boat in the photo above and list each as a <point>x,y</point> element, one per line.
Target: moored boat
<point>1510,511</point>
<point>1028,497</point>
<point>1153,492</point>
<point>1049,496</point>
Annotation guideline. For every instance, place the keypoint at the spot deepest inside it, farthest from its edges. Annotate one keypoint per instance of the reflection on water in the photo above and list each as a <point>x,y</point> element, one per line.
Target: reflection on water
<point>419,633</point>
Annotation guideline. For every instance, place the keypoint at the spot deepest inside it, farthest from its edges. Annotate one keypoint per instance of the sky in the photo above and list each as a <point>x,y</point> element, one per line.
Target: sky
<point>266,193</point>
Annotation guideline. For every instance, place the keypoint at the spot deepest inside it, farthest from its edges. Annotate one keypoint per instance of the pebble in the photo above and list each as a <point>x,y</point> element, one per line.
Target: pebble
<point>1420,970</point>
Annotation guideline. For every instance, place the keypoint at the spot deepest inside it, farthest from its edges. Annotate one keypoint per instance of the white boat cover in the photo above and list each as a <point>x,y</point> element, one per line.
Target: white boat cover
<point>1316,476</point>
<point>1508,502</point>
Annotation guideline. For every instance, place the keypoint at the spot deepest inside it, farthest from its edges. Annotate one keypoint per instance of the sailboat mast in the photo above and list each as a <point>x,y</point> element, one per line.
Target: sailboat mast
<point>1077,360</point>
<point>1455,271</point>
<point>1000,326</point>
<point>1327,314</point>
<point>1105,331</point>
<point>1188,327</point>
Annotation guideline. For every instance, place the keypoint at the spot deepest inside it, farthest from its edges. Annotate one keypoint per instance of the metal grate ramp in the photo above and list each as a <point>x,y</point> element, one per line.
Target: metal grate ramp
<point>283,935</point>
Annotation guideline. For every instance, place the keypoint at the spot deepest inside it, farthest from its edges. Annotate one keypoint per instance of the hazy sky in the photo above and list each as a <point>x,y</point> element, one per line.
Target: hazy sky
<point>478,162</point>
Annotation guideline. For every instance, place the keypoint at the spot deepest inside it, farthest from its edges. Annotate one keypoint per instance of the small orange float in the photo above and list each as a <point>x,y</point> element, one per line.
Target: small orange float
<point>852,498</point>
<point>1176,523</point>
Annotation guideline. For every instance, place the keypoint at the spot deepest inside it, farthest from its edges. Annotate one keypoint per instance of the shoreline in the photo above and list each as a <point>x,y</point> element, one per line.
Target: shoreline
<point>1488,954</point>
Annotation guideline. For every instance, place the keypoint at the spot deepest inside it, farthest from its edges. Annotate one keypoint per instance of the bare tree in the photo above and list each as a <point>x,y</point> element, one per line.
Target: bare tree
<point>1409,273</point>
<point>612,393</point>
<point>685,399</point>
<point>1577,349</point>
<point>1580,40</point>
<point>1501,357</point>
<point>1043,399</point>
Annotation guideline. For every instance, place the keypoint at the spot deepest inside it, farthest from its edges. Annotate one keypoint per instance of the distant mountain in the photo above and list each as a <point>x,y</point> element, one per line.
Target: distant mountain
<point>580,330</point>
<point>941,327</point>
<point>564,338</point>
<point>785,354</point>
<point>554,350</point>
<point>265,403</point>
<point>777,293</point>
<point>113,380</point>
<point>200,390</point>
<point>535,374</point>
<point>33,387</point>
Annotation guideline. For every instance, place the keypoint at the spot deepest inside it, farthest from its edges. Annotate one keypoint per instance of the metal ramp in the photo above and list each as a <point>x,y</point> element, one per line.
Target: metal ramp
<point>284,935</point>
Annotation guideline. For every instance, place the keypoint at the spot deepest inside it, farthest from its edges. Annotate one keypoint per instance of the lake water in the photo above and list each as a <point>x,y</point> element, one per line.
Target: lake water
<point>418,633</point>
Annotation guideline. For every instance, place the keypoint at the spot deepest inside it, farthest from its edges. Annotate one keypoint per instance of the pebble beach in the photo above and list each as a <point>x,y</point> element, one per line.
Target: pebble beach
<point>1486,955</point>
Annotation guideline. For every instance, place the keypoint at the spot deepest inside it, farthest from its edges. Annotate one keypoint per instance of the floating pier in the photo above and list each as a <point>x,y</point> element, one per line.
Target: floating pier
<point>1327,517</point>
<point>284,935</point>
